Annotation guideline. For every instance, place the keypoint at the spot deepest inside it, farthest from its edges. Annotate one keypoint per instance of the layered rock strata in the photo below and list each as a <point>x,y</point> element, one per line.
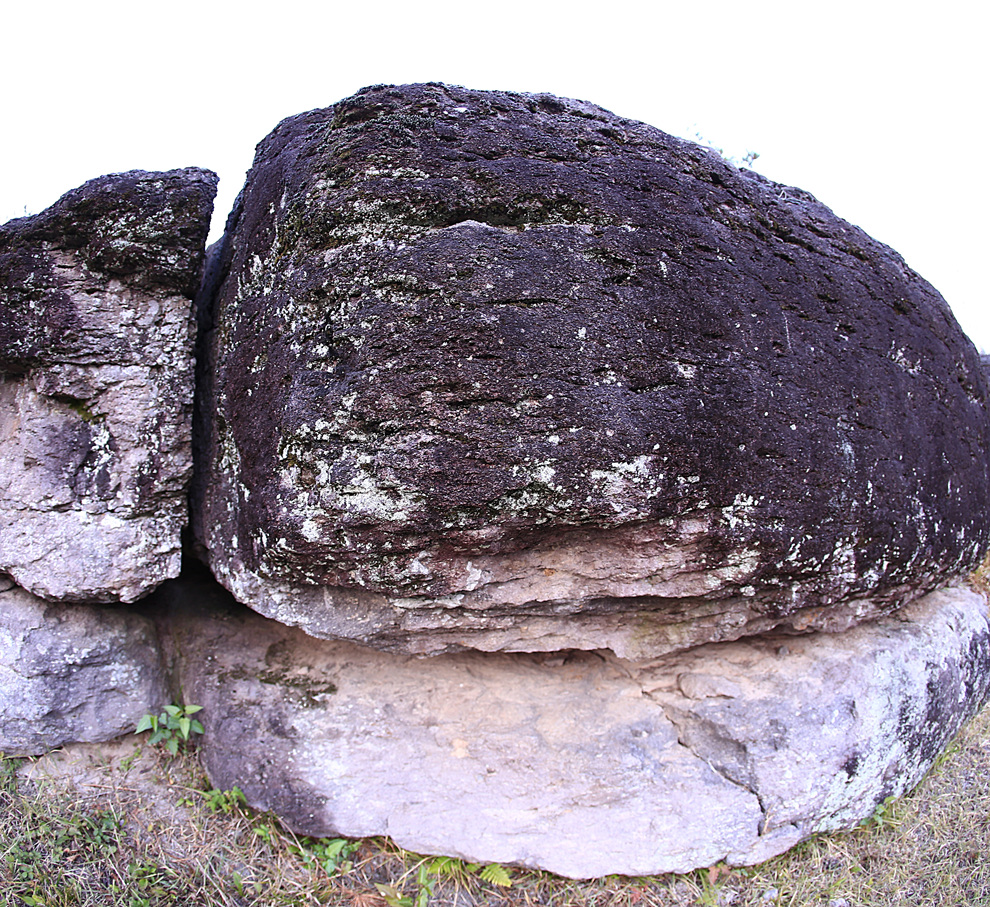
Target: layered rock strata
<point>72,673</point>
<point>510,372</point>
<point>96,384</point>
<point>579,762</point>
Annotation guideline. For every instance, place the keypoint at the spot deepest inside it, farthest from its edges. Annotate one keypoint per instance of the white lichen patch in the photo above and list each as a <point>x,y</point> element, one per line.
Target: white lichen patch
<point>396,173</point>
<point>310,529</point>
<point>900,358</point>
<point>626,485</point>
<point>325,490</point>
<point>544,474</point>
<point>741,511</point>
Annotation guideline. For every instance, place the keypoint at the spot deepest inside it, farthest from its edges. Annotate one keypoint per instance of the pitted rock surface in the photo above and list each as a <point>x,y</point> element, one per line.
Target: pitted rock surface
<point>510,372</point>
<point>579,762</point>
<point>96,384</point>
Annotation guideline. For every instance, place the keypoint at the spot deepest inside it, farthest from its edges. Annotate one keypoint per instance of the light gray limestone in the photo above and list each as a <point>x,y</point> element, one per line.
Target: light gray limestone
<point>580,762</point>
<point>72,673</point>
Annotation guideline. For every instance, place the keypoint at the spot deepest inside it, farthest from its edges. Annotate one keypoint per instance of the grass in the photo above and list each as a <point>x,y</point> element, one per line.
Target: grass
<point>124,824</point>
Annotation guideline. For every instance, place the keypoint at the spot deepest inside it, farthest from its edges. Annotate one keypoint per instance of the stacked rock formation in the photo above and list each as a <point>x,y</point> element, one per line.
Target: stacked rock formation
<point>496,378</point>
<point>96,394</point>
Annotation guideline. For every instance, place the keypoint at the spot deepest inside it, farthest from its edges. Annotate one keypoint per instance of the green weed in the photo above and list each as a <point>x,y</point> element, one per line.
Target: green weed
<point>224,801</point>
<point>329,854</point>
<point>172,727</point>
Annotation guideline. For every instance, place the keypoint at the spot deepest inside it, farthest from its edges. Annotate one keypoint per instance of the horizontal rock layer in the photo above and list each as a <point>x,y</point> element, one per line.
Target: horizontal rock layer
<point>508,371</point>
<point>96,384</point>
<point>579,762</point>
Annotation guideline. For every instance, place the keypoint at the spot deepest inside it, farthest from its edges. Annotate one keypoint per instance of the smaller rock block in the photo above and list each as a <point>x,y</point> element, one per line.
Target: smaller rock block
<point>579,762</point>
<point>96,384</point>
<point>72,673</point>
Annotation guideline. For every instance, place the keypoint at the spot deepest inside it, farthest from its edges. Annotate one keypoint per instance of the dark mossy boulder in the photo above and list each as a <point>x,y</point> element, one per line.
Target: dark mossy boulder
<point>510,372</point>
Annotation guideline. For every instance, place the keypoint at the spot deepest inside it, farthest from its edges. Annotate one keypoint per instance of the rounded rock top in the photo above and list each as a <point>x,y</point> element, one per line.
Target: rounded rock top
<point>503,370</point>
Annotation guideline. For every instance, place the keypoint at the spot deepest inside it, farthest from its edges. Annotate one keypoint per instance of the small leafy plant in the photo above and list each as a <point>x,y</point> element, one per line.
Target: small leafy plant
<point>430,871</point>
<point>225,801</point>
<point>886,814</point>
<point>330,854</point>
<point>496,874</point>
<point>172,727</point>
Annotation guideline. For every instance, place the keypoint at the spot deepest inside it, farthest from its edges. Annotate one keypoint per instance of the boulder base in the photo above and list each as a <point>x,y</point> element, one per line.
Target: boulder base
<point>579,762</point>
<point>72,673</point>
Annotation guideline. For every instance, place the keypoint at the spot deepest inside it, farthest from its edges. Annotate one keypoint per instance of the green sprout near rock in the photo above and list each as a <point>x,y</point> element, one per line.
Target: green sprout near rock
<point>172,727</point>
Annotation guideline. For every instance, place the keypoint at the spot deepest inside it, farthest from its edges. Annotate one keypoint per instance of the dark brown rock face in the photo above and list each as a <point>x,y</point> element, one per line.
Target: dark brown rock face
<point>96,384</point>
<point>509,371</point>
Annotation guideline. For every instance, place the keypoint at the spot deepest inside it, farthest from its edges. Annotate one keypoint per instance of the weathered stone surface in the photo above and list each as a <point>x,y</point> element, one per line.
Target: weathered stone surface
<point>72,672</point>
<point>96,384</point>
<point>511,372</point>
<point>579,762</point>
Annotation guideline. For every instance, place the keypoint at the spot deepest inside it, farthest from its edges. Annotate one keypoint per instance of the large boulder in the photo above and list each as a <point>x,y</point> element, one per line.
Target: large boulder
<point>96,384</point>
<point>72,672</point>
<point>579,762</point>
<point>510,372</point>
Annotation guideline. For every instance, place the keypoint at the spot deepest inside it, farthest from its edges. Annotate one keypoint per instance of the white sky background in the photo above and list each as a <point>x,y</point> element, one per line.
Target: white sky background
<point>878,108</point>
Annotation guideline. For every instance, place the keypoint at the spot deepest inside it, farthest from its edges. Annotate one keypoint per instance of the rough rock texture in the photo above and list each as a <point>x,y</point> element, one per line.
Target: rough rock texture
<point>96,384</point>
<point>511,372</point>
<point>72,673</point>
<point>579,762</point>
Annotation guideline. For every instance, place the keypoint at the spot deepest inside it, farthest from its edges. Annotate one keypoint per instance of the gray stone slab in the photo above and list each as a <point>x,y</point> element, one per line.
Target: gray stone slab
<point>579,762</point>
<point>96,384</point>
<point>72,673</point>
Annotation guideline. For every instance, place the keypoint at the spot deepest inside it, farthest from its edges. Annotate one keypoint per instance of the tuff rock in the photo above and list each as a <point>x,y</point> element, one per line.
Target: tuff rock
<point>96,384</point>
<point>72,673</point>
<point>510,372</point>
<point>579,762</point>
